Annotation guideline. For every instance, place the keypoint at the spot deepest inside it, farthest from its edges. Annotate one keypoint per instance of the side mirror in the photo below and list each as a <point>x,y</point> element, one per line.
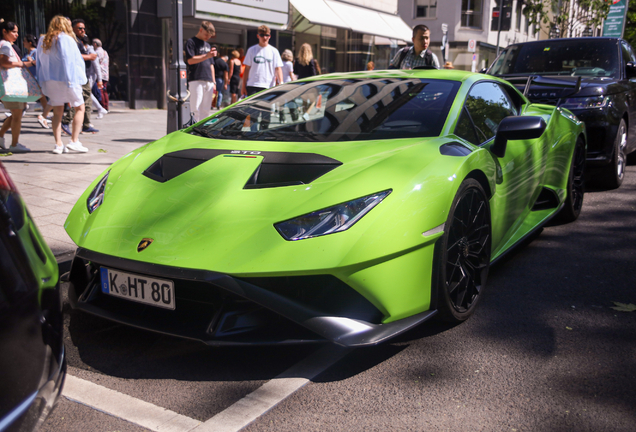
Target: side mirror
<point>516,128</point>
<point>483,70</point>
<point>630,69</point>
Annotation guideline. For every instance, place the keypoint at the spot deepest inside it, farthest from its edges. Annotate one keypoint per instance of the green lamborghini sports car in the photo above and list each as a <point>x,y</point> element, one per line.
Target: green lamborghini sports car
<point>346,208</point>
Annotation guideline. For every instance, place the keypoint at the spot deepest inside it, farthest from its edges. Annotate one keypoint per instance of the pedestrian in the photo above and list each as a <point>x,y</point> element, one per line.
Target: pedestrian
<point>288,66</point>
<point>370,66</point>
<point>9,59</point>
<point>306,65</point>
<point>94,79</point>
<point>448,65</point>
<point>263,65</point>
<point>30,44</point>
<point>418,54</point>
<point>104,60</point>
<point>79,29</point>
<point>62,75</point>
<point>201,71</point>
<point>234,67</point>
<point>221,74</point>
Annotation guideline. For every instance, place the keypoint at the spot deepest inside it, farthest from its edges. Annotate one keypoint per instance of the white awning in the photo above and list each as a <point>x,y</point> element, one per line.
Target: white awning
<point>367,21</point>
<point>274,13</point>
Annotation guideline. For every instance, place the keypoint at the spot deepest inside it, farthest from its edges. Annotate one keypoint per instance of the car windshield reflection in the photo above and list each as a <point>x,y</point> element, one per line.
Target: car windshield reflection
<point>337,110</point>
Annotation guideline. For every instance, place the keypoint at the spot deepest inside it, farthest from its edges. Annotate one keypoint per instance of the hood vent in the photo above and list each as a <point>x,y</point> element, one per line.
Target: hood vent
<point>276,169</point>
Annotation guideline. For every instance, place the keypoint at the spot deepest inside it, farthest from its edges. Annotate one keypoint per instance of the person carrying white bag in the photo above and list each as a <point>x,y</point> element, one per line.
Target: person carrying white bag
<point>12,81</point>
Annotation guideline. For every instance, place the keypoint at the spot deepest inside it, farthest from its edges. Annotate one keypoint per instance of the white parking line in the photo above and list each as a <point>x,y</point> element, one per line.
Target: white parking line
<point>233,418</point>
<point>270,394</point>
<point>126,407</point>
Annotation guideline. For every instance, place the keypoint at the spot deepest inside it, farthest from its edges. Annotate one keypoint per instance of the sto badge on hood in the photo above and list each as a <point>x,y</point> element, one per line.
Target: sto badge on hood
<point>143,244</point>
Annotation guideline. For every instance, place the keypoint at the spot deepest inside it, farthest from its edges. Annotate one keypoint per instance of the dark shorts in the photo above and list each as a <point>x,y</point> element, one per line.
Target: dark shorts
<point>253,90</point>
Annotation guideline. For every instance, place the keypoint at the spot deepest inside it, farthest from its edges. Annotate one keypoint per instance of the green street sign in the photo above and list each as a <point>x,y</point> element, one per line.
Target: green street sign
<point>614,24</point>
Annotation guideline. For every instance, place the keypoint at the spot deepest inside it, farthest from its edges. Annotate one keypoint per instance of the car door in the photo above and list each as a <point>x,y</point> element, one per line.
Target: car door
<point>486,105</point>
<point>630,77</point>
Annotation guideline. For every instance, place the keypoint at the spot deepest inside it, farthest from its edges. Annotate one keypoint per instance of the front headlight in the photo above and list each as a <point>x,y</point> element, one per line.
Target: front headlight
<point>96,198</point>
<point>585,102</point>
<point>330,220</point>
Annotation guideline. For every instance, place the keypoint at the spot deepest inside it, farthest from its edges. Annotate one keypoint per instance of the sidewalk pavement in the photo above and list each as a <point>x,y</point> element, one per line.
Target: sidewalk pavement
<point>50,184</point>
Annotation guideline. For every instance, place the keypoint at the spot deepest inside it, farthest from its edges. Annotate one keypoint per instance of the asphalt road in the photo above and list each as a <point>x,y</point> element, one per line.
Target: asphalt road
<point>545,351</point>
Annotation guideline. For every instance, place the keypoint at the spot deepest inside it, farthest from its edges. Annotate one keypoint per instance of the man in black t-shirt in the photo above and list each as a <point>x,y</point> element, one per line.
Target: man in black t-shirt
<point>221,72</point>
<point>200,71</point>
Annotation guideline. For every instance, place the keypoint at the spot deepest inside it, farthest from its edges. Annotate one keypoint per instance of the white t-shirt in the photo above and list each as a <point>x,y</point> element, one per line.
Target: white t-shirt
<point>288,68</point>
<point>263,62</point>
<point>7,49</point>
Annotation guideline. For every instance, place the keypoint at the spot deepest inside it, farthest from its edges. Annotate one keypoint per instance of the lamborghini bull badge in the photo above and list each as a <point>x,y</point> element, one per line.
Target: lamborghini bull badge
<point>143,244</point>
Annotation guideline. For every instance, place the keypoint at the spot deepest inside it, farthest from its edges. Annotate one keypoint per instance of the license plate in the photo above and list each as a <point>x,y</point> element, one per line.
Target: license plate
<point>142,289</point>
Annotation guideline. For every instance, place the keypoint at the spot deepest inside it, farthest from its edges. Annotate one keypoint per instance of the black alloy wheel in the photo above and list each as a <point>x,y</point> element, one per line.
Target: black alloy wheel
<point>576,185</point>
<point>465,252</point>
<point>613,175</point>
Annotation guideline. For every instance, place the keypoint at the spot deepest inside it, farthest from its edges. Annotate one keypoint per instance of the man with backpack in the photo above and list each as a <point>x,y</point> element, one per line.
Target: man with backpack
<point>418,54</point>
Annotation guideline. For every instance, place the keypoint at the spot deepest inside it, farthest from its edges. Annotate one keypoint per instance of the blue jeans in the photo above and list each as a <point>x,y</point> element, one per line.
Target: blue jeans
<point>219,92</point>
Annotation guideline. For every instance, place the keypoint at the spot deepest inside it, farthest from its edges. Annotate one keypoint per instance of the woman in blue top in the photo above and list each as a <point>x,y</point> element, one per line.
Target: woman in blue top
<point>30,61</point>
<point>61,73</point>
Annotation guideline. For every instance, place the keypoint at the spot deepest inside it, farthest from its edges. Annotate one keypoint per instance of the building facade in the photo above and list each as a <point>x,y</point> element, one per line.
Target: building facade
<point>344,34</point>
<point>465,21</point>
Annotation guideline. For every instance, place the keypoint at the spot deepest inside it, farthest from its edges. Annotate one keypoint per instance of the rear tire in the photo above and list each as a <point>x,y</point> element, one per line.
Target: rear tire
<point>576,186</point>
<point>464,253</point>
<point>611,176</point>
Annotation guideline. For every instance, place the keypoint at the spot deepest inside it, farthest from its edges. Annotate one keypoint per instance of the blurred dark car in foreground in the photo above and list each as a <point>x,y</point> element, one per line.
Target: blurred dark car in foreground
<point>595,78</point>
<point>32,359</point>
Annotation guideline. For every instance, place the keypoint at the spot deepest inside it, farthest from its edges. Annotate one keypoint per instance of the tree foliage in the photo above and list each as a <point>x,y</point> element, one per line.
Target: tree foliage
<point>557,13</point>
<point>630,24</point>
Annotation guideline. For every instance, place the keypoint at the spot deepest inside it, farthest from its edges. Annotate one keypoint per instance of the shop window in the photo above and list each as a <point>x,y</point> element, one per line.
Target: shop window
<point>425,8</point>
<point>472,13</point>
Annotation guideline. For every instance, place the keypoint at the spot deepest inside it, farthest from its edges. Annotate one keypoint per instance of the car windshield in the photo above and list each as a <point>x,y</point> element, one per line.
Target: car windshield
<point>591,57</point>
<point>337,110</point>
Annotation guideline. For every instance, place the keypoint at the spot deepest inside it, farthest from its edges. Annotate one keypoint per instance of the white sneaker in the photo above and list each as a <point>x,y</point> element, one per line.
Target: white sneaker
<point>2,143</point>
<point>76,146</point>
<point>7,113</point>
<point>101,114</point>
<point>59,149</point>
<point>19,148</point>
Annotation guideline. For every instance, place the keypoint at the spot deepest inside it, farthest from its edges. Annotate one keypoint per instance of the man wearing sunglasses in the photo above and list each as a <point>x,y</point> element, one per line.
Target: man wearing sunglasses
<point>263,65</point>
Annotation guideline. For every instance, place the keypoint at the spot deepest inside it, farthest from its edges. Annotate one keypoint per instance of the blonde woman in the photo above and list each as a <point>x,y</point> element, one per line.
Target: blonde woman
<point>288,66</point>
<point>62,73</point>
<point>234,66</point>
<point>306,65</point>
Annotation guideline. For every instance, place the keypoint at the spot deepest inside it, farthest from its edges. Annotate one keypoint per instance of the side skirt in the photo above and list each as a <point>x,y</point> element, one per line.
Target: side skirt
<point>526,236</point>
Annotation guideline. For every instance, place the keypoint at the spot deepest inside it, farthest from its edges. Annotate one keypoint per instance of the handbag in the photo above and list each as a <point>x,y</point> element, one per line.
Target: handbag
<point>18,85</point>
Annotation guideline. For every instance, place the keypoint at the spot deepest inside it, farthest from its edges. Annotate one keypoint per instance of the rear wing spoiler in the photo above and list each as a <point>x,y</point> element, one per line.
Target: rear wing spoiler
<point>544,81</point>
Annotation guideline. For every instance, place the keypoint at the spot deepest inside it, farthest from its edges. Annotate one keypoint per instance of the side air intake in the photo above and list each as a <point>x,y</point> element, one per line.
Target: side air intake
<point>548,199</point>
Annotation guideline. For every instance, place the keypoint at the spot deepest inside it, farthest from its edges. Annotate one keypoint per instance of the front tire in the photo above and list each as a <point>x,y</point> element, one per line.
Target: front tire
<point>464,253</point>
<point>576,186</point>
<point>612,176</point>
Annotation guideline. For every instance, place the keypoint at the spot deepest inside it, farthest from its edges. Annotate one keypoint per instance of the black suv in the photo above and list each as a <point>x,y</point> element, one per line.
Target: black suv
<point>595,78</point>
